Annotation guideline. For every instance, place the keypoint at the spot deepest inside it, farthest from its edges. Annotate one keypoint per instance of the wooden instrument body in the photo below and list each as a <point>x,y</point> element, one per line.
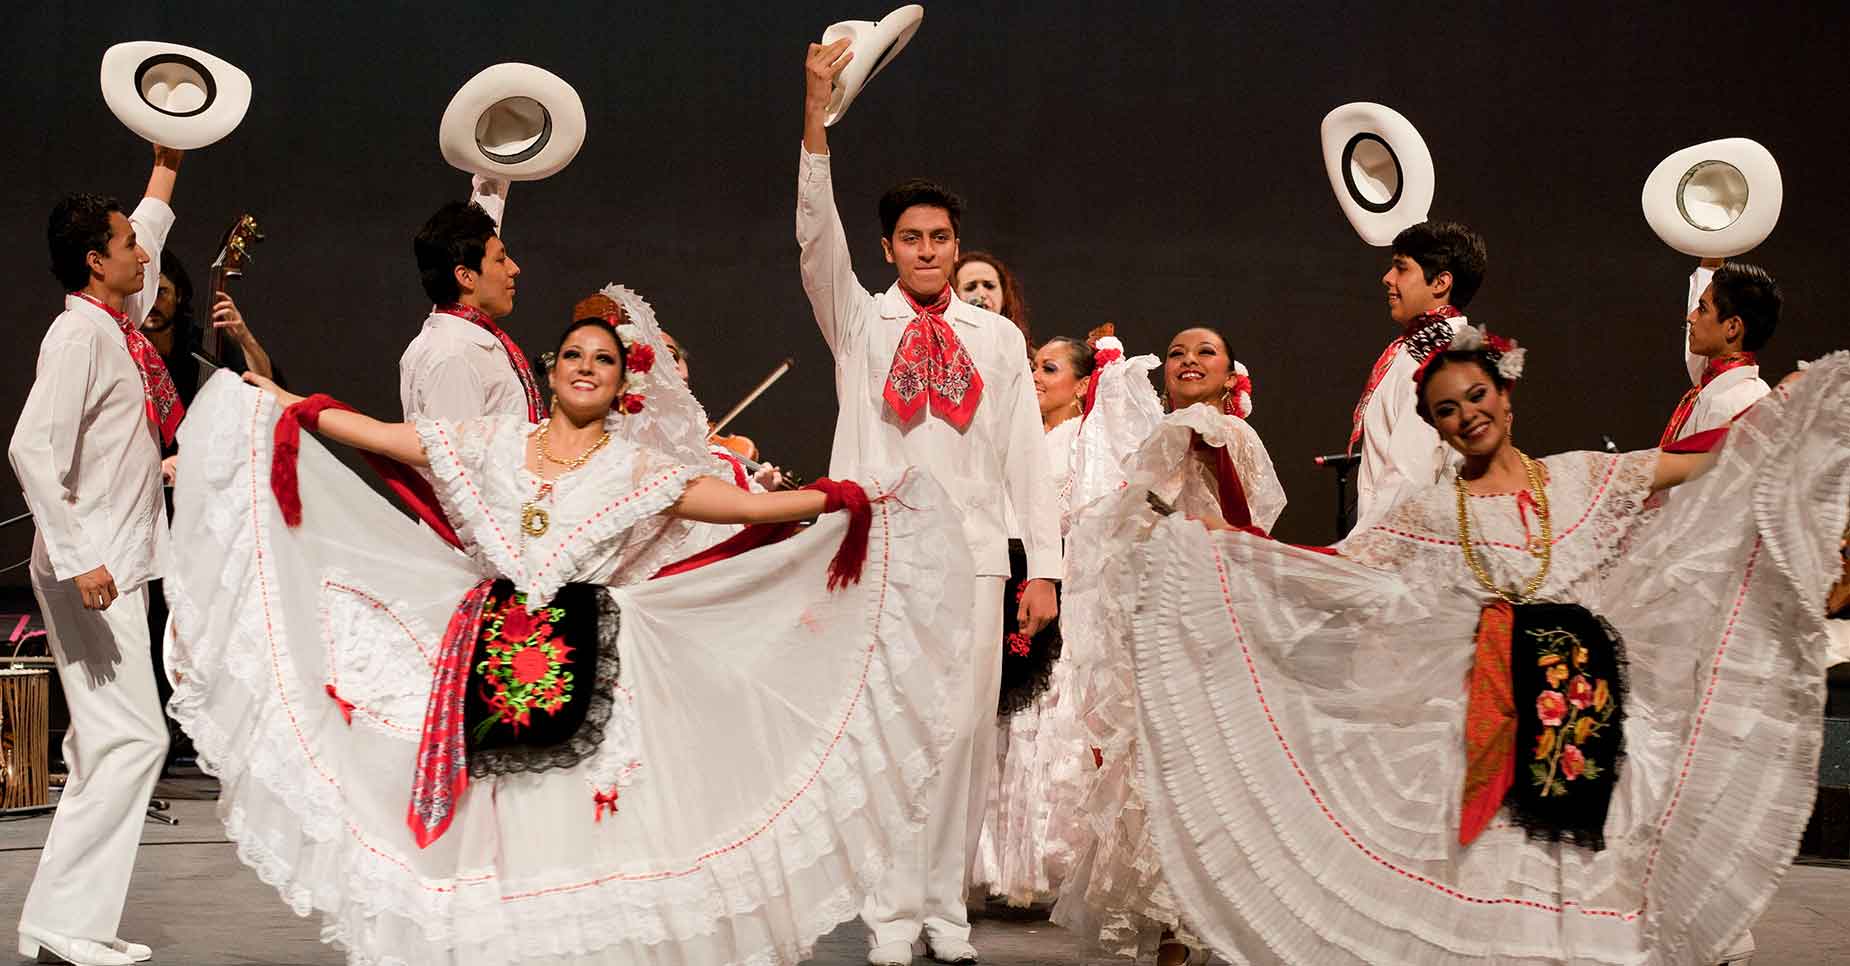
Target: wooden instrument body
<point>25,738</point>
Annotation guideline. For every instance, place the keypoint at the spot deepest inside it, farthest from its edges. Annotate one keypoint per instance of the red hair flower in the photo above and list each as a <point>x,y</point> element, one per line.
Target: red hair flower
<point>630,403</point>
<point>641,358</point>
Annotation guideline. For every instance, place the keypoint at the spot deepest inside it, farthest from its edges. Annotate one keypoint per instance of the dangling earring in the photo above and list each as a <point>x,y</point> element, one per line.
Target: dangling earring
<point>1226,404</point>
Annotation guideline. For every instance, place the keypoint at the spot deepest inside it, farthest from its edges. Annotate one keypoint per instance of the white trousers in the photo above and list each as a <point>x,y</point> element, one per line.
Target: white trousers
<point>925,891</point>
<point>113,751</point>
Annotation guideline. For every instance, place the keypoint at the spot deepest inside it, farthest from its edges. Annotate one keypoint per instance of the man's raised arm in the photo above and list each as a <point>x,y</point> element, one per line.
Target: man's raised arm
<point>828,271</point>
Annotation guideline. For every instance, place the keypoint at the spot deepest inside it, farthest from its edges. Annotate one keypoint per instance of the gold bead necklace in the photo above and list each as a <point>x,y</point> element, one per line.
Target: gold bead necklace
<point>1540,494</point>
<point>576,461</point>
<point>534,520</point>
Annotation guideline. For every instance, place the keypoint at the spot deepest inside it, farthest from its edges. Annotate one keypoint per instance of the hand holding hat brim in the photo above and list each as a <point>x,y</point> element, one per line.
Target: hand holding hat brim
<point>513,122</point>
<point>174,95</point>
<point>874,45</point>
<point>1717,199</point>
<point>1379,168</point>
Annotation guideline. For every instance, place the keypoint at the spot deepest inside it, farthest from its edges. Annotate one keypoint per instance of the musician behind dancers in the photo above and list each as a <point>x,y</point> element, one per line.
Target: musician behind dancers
<point>1435,270</point>
<point>927,380</point>
<point>1733,310</point>
<point>176,334</point>
<point>462,364</point>
<point>87,451</point>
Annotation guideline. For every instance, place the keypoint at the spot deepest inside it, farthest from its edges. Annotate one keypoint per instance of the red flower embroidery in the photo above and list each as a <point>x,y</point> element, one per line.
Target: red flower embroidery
<point>516,625</point>
<point>1579,692</point>
<point>1572,762</point>
<point>1551,707</point>
<point>641,358</point>
<point>530,665</point>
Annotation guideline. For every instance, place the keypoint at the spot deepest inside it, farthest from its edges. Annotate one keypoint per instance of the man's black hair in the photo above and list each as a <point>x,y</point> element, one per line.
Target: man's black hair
<point>1446,246</point>
<point>79,225</point>
<point>1749,292</point>
<point>917,191</point>
<point>457,234</point>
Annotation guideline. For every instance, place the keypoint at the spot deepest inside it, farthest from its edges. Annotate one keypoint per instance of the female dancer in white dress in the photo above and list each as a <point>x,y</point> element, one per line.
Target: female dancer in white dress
<point>1205,460</point>
<point>754,761</point>
<point>1097,406</point>
<point>1336,773</point>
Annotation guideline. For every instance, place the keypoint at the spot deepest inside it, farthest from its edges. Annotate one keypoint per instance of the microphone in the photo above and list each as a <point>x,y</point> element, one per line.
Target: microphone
<point>1337,461</point>
<point>978,299</point>
<point>1611,447</point>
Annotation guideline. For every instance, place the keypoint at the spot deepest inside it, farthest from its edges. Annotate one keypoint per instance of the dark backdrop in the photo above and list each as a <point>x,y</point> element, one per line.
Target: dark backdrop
<point>1152,164</point>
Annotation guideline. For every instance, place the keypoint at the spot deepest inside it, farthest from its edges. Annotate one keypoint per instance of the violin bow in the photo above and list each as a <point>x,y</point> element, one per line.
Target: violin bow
<point>763,384</point>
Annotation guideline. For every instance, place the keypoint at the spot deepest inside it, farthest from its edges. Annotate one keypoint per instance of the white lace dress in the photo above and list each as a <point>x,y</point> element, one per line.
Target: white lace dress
<point>766,745</point>
<point>1114,897</point>
<point>1046,758</point>
<point>1304,714</point>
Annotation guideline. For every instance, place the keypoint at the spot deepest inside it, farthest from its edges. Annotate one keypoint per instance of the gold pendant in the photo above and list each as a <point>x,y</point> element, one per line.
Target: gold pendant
<point>533,520</point>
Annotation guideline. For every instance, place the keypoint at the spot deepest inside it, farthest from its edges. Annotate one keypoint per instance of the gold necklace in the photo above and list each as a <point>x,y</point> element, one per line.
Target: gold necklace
<point>534,519</point>
<point>576,461</point>
<point>1546,551</point>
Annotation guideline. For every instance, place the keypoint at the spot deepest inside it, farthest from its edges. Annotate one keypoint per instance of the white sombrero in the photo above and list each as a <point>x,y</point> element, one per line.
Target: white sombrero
<point>1716,199</point>
<point>513,122</point>
<point>1379,168</point>
<point>178,96</point>
<point>874,46</point>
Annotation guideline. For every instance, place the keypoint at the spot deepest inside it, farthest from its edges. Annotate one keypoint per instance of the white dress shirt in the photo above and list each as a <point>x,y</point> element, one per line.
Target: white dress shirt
<point>84,450</point>
<point>999,459</point>
<point>1730,393</point>
<point>458,370</point>
<point>455,369</point>
<point>1400,451</point>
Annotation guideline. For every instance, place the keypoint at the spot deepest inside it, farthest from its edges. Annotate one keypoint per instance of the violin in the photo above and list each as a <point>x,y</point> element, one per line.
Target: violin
<point>741,446</point>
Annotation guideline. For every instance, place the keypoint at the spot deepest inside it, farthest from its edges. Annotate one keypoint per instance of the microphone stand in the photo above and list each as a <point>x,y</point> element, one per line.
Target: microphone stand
<point>1344,464</point>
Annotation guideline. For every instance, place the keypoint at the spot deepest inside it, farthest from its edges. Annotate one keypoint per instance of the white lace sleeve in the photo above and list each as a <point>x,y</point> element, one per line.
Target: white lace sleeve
<point>458,451</point>
<point>1124,413</point>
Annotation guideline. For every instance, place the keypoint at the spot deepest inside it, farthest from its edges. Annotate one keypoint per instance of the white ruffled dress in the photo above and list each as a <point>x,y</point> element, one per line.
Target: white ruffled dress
<point>1114,898</point>
<point>1304,714</point>
<point>1046,759</point>
<point>768,743</point>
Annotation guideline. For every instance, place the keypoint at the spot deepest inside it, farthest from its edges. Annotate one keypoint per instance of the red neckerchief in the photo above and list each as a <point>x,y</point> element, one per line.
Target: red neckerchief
<point>535,408</point>
<point>931,363</point>
<point>164,407</point>
<point>1421,338</point>
<point>1716,367</point>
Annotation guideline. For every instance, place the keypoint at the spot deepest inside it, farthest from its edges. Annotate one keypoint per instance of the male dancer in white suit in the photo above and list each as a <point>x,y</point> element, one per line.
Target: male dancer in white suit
<point>87,451</point>
<point>923,379</point>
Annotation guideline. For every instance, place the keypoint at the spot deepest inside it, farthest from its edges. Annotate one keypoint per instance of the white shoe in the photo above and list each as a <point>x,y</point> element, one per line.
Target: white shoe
<point>1741,952</point>
<point>134,951</point>
<point>35,943</point>
<point>891,954</point>
<point>947,950</point>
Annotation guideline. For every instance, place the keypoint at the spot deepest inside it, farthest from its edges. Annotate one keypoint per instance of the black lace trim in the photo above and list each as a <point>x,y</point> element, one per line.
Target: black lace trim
<point>1024,677</point>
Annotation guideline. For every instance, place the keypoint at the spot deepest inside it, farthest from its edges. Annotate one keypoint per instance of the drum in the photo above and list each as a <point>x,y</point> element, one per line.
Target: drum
<point>25,709</point>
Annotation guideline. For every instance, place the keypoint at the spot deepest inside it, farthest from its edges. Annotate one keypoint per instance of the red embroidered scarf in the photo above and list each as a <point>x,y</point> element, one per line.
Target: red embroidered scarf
<point>1424,334</point>
<point>932,364</point>
<point>164,407</point>
<point>536,409</point>
<point>1715,368</point>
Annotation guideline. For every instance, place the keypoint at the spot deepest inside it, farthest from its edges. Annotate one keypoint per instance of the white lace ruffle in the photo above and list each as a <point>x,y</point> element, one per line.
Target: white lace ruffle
<point>527,874</point>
